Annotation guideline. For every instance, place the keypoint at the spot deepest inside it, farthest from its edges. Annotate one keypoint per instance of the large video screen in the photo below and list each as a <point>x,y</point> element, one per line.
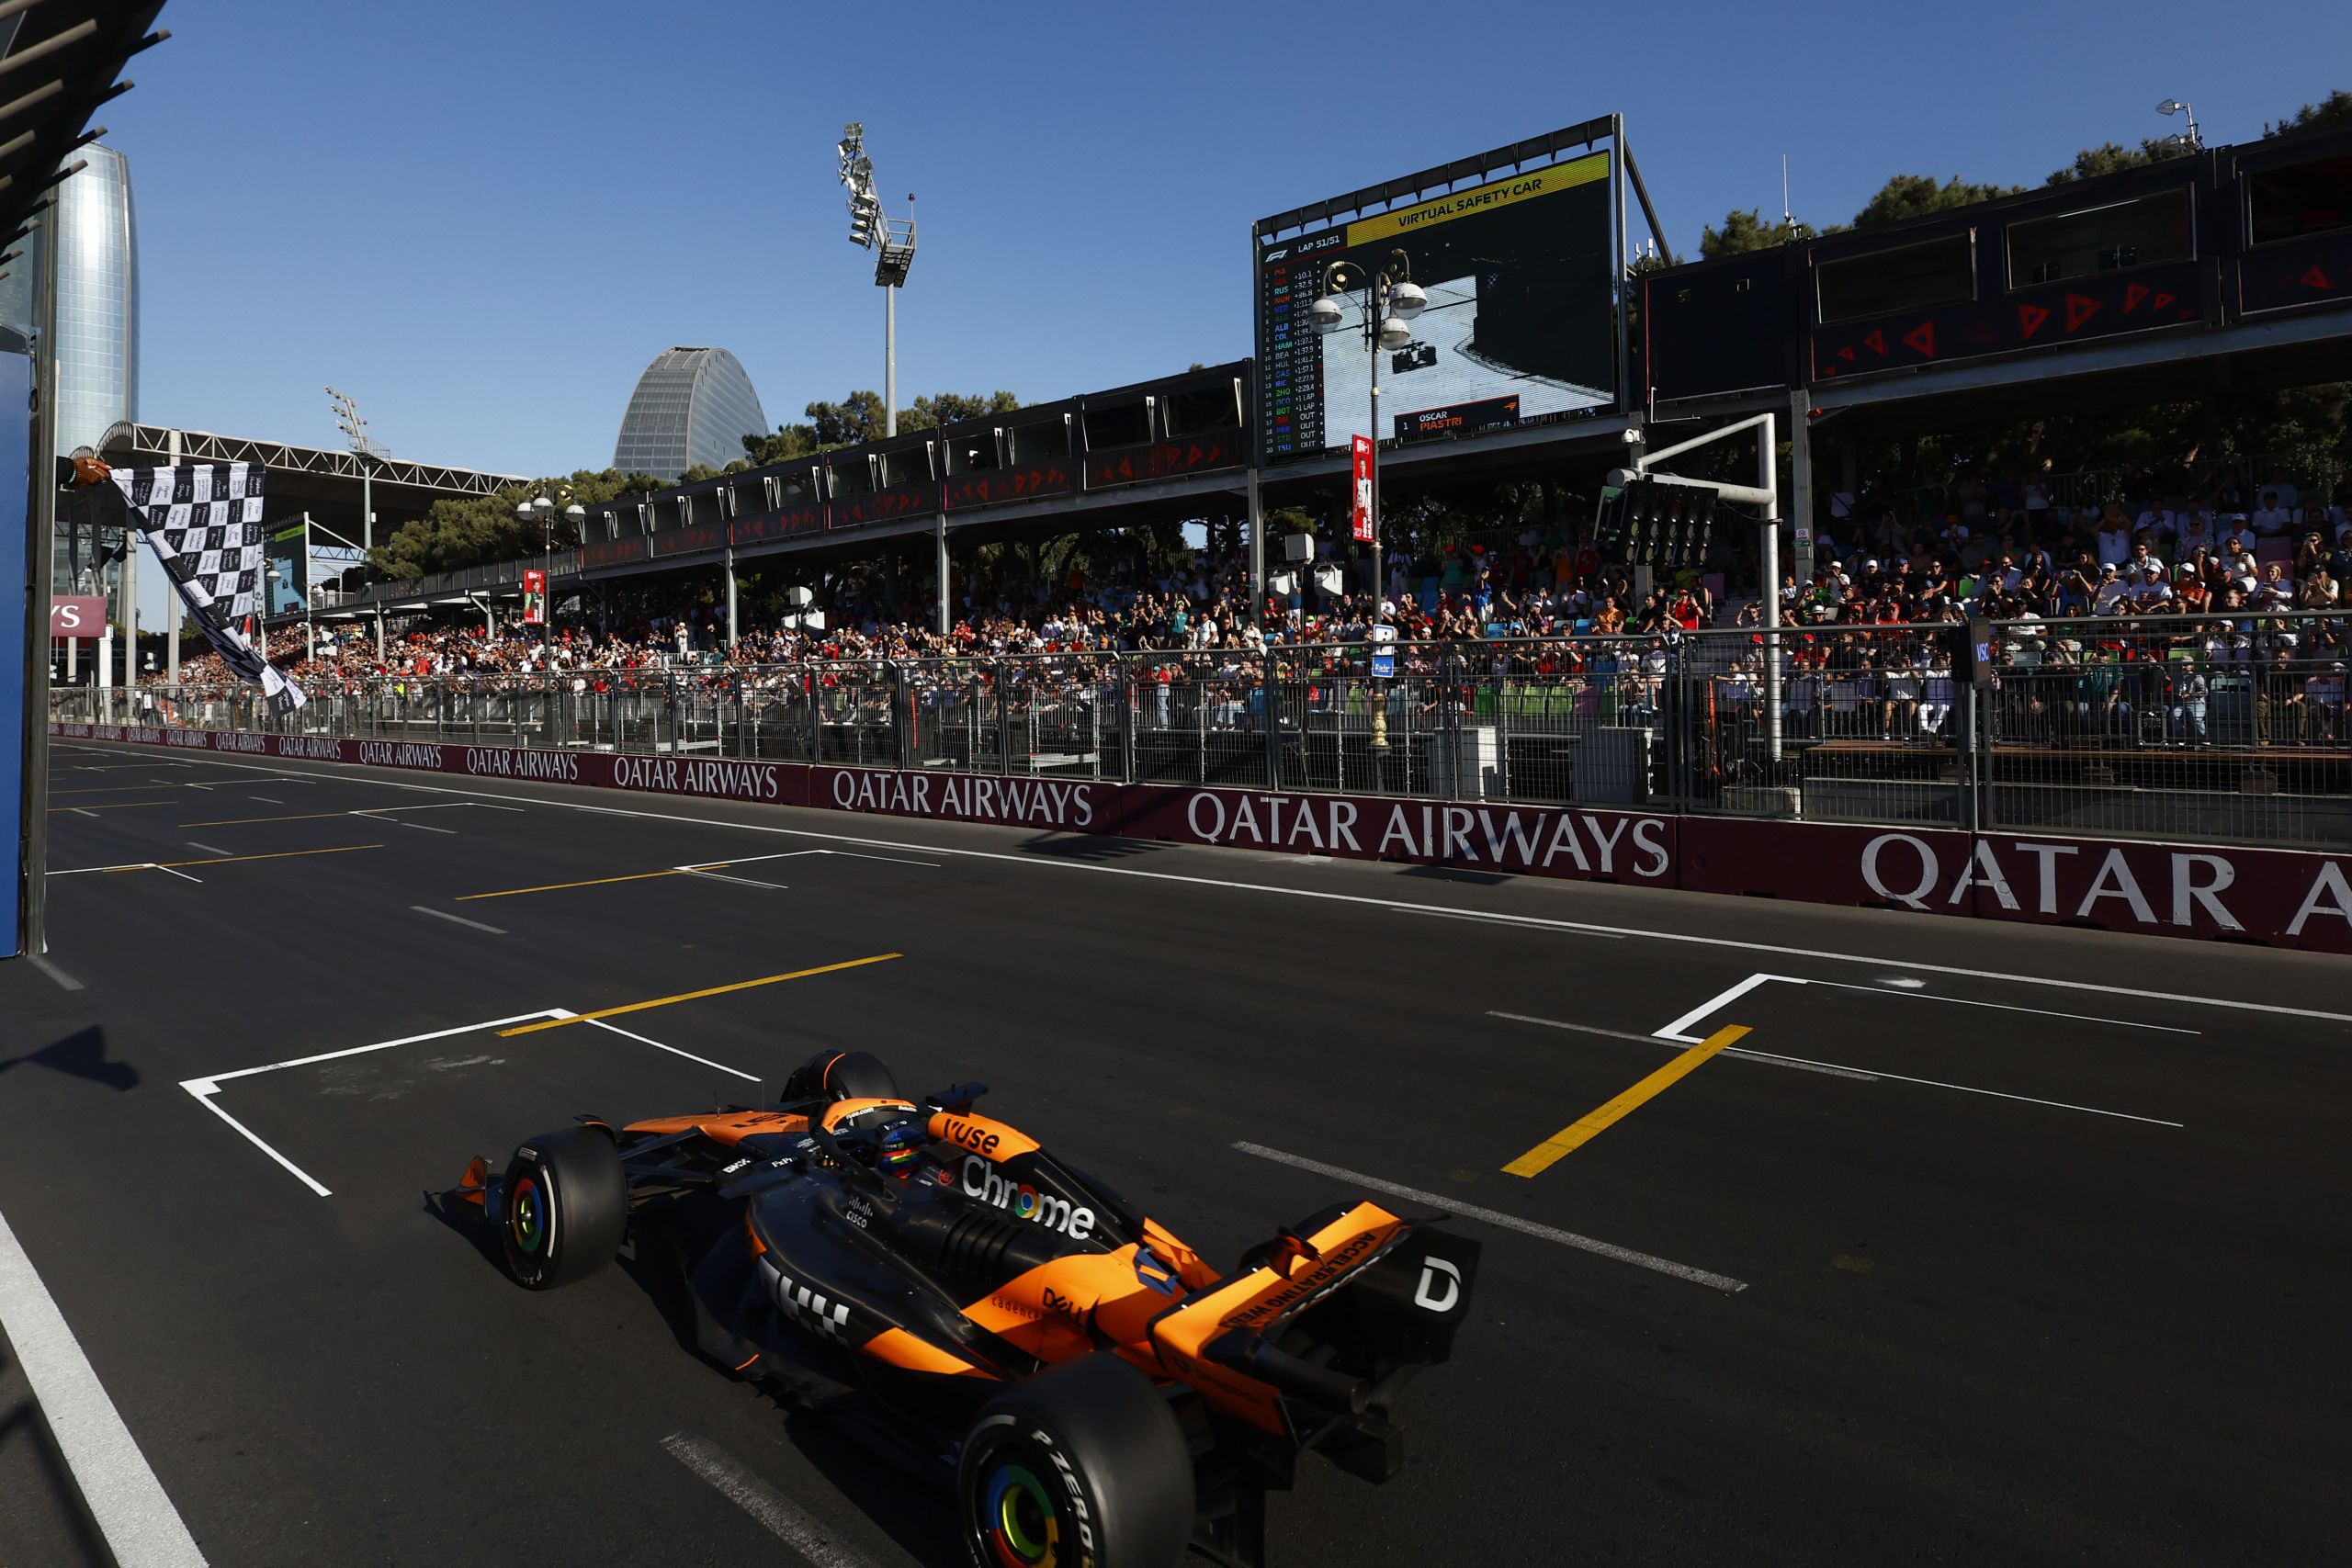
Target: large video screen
<point>1520,320</point>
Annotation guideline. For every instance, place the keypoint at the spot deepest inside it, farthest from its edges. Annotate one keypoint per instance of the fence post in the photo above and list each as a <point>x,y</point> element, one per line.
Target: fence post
<point>1003,716</point>
<point>1267,696</point>
<point>1131,712</point>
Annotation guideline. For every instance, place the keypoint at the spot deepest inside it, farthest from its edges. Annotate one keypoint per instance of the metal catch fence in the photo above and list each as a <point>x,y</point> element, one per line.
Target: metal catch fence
<point>2183,727</point>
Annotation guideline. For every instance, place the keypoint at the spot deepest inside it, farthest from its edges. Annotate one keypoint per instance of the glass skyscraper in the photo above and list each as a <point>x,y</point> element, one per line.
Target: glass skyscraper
<point>91,236</point>
<point>692,405</point>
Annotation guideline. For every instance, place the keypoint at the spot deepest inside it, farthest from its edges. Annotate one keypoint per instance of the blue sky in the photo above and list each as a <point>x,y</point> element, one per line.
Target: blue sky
<point>481,220</point>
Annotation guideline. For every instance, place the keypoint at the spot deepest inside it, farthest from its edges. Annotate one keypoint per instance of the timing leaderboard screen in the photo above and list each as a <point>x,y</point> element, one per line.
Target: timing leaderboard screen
<point>1518,276</point>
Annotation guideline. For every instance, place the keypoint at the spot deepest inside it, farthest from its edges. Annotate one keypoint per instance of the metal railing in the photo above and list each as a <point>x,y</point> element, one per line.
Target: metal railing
<point>2186,727</point>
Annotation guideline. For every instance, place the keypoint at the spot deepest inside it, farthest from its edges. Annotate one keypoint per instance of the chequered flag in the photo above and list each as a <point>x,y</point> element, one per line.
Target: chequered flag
<point>204,521</point>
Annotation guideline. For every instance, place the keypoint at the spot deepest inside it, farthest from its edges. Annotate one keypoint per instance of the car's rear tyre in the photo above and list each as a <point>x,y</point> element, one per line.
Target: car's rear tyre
<point>566,1207</point>
<point>1083,1463</point>
<point>841,1075</point>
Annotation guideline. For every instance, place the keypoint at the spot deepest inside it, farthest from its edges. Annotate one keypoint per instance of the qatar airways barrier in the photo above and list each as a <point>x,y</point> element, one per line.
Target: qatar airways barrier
<point>2284,897</point>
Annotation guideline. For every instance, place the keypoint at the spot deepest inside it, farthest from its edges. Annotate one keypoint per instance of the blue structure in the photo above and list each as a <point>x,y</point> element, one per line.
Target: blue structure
<point>692,405</point>
<point>15,646</point>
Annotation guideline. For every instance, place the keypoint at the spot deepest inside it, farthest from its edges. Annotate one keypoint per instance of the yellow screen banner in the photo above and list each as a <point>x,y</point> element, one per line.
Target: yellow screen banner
<point>1480,199</point>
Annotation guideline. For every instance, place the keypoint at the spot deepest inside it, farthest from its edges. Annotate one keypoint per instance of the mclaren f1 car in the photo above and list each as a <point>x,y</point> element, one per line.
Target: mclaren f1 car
<point>1094,1392</point>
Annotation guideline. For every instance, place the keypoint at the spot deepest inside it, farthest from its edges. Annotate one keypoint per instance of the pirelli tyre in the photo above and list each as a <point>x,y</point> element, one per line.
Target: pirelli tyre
<point>566,1206</point>
<point>1083,1465</point>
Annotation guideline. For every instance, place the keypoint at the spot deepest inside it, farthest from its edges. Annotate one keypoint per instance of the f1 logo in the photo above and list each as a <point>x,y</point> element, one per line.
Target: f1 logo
<point>1437,1273</point>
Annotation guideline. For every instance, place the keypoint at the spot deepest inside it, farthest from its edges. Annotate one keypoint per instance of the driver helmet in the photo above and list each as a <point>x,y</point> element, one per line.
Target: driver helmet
<point>899,1146</point>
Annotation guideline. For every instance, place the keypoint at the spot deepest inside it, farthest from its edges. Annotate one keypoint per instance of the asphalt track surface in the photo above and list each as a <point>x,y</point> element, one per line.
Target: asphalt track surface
<point>1984,1315</point>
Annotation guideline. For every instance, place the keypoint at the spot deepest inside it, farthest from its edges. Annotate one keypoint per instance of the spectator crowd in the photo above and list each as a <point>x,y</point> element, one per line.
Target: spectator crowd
<point>2220,561</point>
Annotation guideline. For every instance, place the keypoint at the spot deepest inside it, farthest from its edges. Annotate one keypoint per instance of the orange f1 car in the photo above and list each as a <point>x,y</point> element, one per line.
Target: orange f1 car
<point>931,1279</point>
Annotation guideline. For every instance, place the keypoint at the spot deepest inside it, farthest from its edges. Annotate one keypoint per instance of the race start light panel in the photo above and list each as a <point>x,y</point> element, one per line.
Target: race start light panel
<point>1520,320</point>
<point>1655,522</point>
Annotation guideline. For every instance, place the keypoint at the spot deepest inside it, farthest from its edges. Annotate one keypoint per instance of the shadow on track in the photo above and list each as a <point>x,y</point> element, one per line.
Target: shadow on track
<point>22,1429</point>
<point>81,1054</point>
<point>920,1522</point>
<point>1090,847</point>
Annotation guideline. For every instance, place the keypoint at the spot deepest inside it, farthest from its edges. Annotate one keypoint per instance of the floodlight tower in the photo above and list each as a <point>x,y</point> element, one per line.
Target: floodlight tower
<point>371,451</point>
<point>893,241</point>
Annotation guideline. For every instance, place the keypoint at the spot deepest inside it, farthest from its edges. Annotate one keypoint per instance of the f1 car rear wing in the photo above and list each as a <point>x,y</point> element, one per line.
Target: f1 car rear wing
<point>1335,1319</point>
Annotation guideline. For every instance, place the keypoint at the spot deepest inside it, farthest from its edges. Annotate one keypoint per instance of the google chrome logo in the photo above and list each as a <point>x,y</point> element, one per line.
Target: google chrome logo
<point>1024,1201</point>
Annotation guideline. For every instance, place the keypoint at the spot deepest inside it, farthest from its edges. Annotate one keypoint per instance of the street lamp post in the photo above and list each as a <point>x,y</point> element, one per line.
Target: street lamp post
<point>1391,301</point>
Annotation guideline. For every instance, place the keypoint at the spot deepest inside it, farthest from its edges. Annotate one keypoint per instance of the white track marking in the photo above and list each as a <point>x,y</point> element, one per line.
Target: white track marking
<point>204,1090</point>
<point>420,826</point>
<point>66,982</point>
<point>266,800</point>
<point>1508,1222</point>
<point>689,1055</point>
<point>1679,1029</point>
<point>1500,920</point>
<point>218,1079</point>
<point>1919,994</point>
<point>85,870</point>
<point>80,811</point>
<point>739,881</point>
<point>1670,1034</point>
<point>894,860</point>
<point>2028,1099</point>
<point>1675,1031</point>
<point>422,806</point>
<point>1745,1055</point>
<point>131,1510</point>
<point>780,1518</point>
<point>1643,933</point>
<point>184,877</point>
<point>455,919</point>
<point>208,848</point>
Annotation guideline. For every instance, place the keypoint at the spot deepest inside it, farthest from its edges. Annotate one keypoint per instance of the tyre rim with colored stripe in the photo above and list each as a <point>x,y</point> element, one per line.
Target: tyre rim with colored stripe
<point>1017,1516</point>
<point>526,1214</point>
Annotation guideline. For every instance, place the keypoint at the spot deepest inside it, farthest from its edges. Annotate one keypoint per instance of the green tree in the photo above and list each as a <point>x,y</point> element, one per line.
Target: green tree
<point>477,529</point>
<point>2334,109</point>
<point>855,418</point>
<point>1914,196</point>
<point>1745,230</point>
<point>2109,158</point>
<point>946,408</point>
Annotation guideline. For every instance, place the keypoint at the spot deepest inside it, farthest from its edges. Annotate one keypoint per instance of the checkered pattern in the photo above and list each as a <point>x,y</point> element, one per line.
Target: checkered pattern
<point>204,521</point>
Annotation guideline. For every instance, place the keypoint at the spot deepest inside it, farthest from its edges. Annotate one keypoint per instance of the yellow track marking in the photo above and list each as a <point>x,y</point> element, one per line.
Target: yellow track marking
<point>115,789</point>
<point>559,887</point>
<point>697,996</point>
<point>113,806</point>
<point>240,821</point>
<point>1586,1128</point>
<point>226,860</point>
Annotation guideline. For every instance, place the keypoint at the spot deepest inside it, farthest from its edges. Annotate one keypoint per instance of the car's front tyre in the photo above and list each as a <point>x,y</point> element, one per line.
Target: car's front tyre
<point>566,1207</point>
